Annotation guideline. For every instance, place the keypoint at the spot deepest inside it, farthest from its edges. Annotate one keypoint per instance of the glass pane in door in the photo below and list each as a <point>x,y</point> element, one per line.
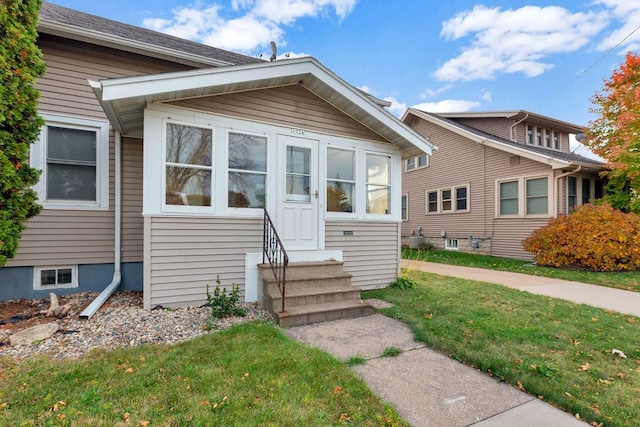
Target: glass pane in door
<point>298,179</point>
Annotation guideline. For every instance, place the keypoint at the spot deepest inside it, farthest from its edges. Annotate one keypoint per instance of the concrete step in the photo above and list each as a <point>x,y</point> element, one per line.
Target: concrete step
<point>300,270</point>
<point>298,297</point>
<point>316,313</point>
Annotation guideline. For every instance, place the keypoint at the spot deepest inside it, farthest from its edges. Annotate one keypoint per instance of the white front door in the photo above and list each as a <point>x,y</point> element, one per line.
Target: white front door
<point>298,220</point>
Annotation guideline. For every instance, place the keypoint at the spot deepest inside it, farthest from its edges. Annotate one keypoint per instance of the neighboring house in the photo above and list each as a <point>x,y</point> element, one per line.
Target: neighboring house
<point>495,178</point>
<point>159,155</point>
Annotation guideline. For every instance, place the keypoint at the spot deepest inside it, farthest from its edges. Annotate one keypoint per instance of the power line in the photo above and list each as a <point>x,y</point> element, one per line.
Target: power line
<point>594,63</point>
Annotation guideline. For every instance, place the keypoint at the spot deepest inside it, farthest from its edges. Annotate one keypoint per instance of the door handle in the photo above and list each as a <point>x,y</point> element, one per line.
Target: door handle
<point>315,193</point>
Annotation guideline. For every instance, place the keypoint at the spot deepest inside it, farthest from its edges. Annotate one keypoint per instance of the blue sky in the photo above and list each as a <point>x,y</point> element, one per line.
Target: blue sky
<point>548,57</point>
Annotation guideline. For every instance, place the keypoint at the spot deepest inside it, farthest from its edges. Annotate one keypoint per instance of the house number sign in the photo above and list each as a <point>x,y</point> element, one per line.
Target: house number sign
<point>296,131</point>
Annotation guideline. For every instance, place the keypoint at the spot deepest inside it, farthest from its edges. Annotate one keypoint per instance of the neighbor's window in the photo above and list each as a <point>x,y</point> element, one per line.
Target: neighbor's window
<point>529,134</point>
<point>378,184</point>
<point>432,201</point>
<point>247,170</point>
<point>509,198</point>
<point>586,190</point>
<point>572,192</point>
<point>451,244</point>
<point>417,162</point>
<point>446,200</point>
<point>537,196</point>
<point>461,198</point>
<point>74,158</point>
<point>404,208</point>
<point>341,183</point>
<point>556,140</point>
<point>188,165</point>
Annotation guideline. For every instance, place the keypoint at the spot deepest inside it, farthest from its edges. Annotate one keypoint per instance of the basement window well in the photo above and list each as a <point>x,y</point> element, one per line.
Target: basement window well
<point>60,277</point>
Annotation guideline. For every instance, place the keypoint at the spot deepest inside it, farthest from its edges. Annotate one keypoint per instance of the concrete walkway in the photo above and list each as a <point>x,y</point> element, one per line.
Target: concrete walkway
<point>626,302</point>
<point>427,388</point>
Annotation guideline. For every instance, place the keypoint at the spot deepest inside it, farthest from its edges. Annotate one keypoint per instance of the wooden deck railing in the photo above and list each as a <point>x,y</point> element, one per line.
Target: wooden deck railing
<point>273,251</point>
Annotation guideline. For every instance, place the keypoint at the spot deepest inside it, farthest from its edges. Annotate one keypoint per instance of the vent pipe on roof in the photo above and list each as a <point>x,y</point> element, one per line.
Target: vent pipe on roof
<point>117,276</point>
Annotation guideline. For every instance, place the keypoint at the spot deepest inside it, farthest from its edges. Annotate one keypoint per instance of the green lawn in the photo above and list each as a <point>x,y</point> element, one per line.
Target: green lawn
<point>251,374</point>
<point>621,280</point>
<point>553,349</point>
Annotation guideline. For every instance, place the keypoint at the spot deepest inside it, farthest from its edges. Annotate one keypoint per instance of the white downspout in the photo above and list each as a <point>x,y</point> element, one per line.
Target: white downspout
<point>513,126</point>
<point>115,281</point>
<point>556,190</point>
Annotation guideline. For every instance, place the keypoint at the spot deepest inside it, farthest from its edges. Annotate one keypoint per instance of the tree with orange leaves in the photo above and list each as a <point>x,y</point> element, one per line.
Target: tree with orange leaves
<point>615,134</point>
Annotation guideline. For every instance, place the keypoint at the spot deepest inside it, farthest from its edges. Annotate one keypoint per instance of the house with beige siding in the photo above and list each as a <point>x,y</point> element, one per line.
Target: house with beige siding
<point>161,155</point>
<point>495,178</point>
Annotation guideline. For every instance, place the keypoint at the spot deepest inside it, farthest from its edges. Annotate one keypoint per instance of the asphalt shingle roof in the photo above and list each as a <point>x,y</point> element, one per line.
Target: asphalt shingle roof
<point>570,157</point>
<point>61,15</point>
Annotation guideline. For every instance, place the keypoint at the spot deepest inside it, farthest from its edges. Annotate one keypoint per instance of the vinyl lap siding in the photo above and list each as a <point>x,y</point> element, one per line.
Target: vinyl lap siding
<point>370,254</point>
<point>509,234</point>
<point>494,125</point>
<point>132,221</point>
<point>292,106</point>
<point>60,237</point>
<point>187,253</point>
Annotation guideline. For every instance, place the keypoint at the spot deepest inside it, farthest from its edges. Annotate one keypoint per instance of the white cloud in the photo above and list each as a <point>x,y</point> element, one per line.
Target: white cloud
<point>447,106</point>
<point>255,24</point>
<point>486,95</point>
<point>627,12</point>
<point>514,40</point>
<point>431,93</point>
<point>397,108</point>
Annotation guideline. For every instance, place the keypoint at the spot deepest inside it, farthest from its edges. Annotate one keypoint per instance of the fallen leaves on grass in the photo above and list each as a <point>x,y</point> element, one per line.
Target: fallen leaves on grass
<point>585,367</point>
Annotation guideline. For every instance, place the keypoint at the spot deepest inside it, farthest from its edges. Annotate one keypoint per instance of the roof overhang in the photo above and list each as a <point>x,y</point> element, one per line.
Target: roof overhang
<point>112,41</point>
<point>519,115</point>
<point>124,99</point>
<point>554,162</point>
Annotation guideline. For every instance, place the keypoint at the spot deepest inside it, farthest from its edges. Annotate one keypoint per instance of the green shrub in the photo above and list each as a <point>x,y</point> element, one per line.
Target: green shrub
<point>594,238</point>
<point>223,305</point>
<point>403,282</point>
<point>425,245</point>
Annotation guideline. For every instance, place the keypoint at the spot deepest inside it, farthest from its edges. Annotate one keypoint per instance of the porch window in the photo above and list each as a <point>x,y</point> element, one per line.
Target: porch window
<point>73,156</point>
<point>247,170</point>
<point>341,182</point>
<point>189,165</point>
<point>586,190</point>
<point>572,192</point>
<point>378,184</point>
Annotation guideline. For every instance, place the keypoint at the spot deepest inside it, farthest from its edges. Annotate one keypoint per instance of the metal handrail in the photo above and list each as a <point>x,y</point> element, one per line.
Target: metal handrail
<point>273,251</point>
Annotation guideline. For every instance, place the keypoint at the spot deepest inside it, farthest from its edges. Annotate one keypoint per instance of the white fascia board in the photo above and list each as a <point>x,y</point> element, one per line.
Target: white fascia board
<point>551,161</point>
<point>110,112</point>
<point>143,86</point>
<point>121,43</point>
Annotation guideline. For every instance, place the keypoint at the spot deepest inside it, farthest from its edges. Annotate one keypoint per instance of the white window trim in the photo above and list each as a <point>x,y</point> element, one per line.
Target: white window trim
<point>39,158</point>
<point>225,178</point>
<point>416,167</point>
<point>453,199</point>
<point>394,185</point>
<point>522,196</point>
<point>449,246</point>
<point>38,286</point>
<point>544,132</point>
<point>404,196</point>
<point>356,182</point>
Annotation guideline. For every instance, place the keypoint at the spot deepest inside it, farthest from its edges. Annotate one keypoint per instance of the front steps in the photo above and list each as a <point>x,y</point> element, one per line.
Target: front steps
<point>315,292</point>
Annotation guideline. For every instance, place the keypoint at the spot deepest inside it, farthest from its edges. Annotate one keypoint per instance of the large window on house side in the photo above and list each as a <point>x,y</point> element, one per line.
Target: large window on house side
<point>378,184</point>
<point>447,200</point>
<point>341,183</point>
<point>523,196</point>
<point>188,165</point>
<point>247,170</point>
<point>537,196</point>
<point>73,155</point>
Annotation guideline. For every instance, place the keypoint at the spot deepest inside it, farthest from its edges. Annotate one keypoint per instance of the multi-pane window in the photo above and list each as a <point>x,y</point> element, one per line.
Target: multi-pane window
<point>432,201</point>
<point>556,140</point>
<point>247,170</point>
<point>452,199</point>
<point>404,207</point>
<point>188,165</point>
<point>378,184</point>
<point>582,190</point>
<point>529,134</point>
<point>341,183</point>
<point>547,138</point>
<point>539,136</point>
<point>55,277</point>
<point>537,196</point>
<point>417,162</point>
<point>509,198</point>
<point>542,137</point>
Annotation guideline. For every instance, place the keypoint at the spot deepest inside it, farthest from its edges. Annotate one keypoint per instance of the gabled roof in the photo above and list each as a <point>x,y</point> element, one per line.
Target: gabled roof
<point>72,24</point>
<point>124,99</point>
<point>556,159</point>
<point>518,115</point>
